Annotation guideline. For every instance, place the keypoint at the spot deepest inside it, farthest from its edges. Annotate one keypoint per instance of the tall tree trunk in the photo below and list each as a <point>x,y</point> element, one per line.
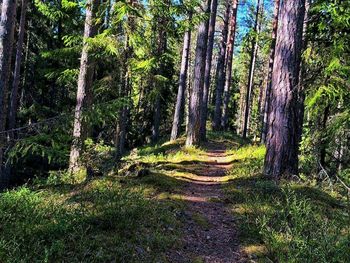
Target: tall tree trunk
<point>229,62</point>
<point>283,140</point>
<point>7,24</point>
<point>196,96</point>
<point>208,63</point>
<point>220,71</point>
<point>301,86</point>
<point>250,84</point>
<point>269,74</point>
<point>125,92</point>
<point>17,71</point>
<point>162,47</point>
<point>182,84</point>
<point>85,81</point>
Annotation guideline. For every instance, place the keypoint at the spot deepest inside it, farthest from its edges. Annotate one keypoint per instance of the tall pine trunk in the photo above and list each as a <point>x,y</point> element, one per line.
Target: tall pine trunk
<point>182,84</point>
<point>85,81</point>
<point>250,84</point>
<point>269,74</point>
<point>125,92</point>
<point>283,139</point>
<point>162,47</point>
<point>196,96</point>
<point>208,64</point>
<point>17,71</point>
<point>229,62</point>
<point>220,71</point>
<point>7,24</point>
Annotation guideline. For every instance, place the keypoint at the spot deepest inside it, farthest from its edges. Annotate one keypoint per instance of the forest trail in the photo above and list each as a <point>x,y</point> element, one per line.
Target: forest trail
<point>209,232</point>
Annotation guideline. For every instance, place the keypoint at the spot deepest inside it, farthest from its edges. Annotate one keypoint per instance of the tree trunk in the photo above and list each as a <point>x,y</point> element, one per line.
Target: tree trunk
<point>220,72</point>
<point>7,24</point>
<point>196,96</point>
<point>125,93</point>
<point>162,47</point>
<point>250,84</point>
<point>269,74</point>
<point>208,64</point>
<point>283,140</point>
<point>182,84</point>
<point>17,71</point>
<point>229,55</point>
<point>84,87</point>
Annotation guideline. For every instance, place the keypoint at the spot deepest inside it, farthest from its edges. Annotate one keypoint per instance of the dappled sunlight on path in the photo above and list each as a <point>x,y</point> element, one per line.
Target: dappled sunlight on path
<point>209,231</point>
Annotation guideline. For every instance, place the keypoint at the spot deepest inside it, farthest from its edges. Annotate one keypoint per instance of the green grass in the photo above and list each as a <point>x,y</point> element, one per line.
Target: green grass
<point>105,220</point>
<point>137,218</point>
<point>288,222</point>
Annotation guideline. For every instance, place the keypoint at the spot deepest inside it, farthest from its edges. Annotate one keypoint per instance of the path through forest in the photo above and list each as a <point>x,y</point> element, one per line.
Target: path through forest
<point>209,233</point>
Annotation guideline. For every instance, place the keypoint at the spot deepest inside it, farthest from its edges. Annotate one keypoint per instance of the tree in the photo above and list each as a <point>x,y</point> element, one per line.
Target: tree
<point>182,83</point>
<point>269,73</point>
<point>208,63</point>
<point>220,71</point>
<point>229,55</point>
<point>283,140</point>
<point>196,95</point>
<point>85,81</point>
<point>17,70</point>
<point>250,84</point>
<point>7,23</point>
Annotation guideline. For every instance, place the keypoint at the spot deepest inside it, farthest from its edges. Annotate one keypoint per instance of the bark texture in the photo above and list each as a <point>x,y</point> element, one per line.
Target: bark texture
<point>196,96</point>
<point>269,74</point>
<point>125,92</point>
<point>229,61</point>
<point>182,84</point>
<point>283,140</point>
<point>207,73</point>
<point>220,71</point>
<point>17,70</point>
<point>7,23</point>
<point>253,54</point>
<point>161,49</point>
<point>84,87</point>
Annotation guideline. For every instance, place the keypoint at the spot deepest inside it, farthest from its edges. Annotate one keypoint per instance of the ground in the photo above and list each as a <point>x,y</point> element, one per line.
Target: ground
<point>169,203</point>
<point>209,231</point>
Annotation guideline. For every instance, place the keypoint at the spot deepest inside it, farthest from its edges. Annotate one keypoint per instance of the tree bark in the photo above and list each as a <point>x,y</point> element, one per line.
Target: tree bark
<point>162,47</point>
<point>229,56</point>
<point>17,71</point>
<point>7,24</point>
<point>269,74</point>
<point>250,84</point>
<point>125,92</point>
<point>220,71</point>
<point>182,84</point>
<point>208,64</point>
<point>283,139</point>
<point>196,96</point>
<point>85,81</point>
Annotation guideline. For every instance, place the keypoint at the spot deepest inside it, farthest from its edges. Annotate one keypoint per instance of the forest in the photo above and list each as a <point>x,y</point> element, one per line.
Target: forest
<point>204,131</point>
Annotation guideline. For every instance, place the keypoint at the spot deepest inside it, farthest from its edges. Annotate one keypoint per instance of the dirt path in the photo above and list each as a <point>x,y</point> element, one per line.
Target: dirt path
<point>209,233</point>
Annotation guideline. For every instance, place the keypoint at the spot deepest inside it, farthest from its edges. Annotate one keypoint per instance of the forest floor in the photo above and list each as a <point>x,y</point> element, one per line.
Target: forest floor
<point>169,203</point>
<point>209,230</point>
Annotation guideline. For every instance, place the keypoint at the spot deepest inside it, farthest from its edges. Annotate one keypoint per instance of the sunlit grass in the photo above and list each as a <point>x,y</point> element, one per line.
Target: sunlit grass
<point>290,222</point>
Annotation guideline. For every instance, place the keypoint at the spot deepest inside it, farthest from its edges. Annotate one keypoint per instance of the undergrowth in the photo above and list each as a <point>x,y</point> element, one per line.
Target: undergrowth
<point>289,222</point>
<point>101,221</point>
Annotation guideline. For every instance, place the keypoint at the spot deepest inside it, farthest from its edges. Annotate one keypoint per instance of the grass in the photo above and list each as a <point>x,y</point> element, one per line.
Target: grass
<point>137,218</point>
<point>288,222</point>
<point>102,221</point>
<point>106,219</point>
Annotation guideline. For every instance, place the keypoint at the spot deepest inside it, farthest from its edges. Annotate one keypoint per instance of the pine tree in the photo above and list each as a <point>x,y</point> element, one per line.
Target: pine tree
<point>283,139</point>
<point>84,93</point>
